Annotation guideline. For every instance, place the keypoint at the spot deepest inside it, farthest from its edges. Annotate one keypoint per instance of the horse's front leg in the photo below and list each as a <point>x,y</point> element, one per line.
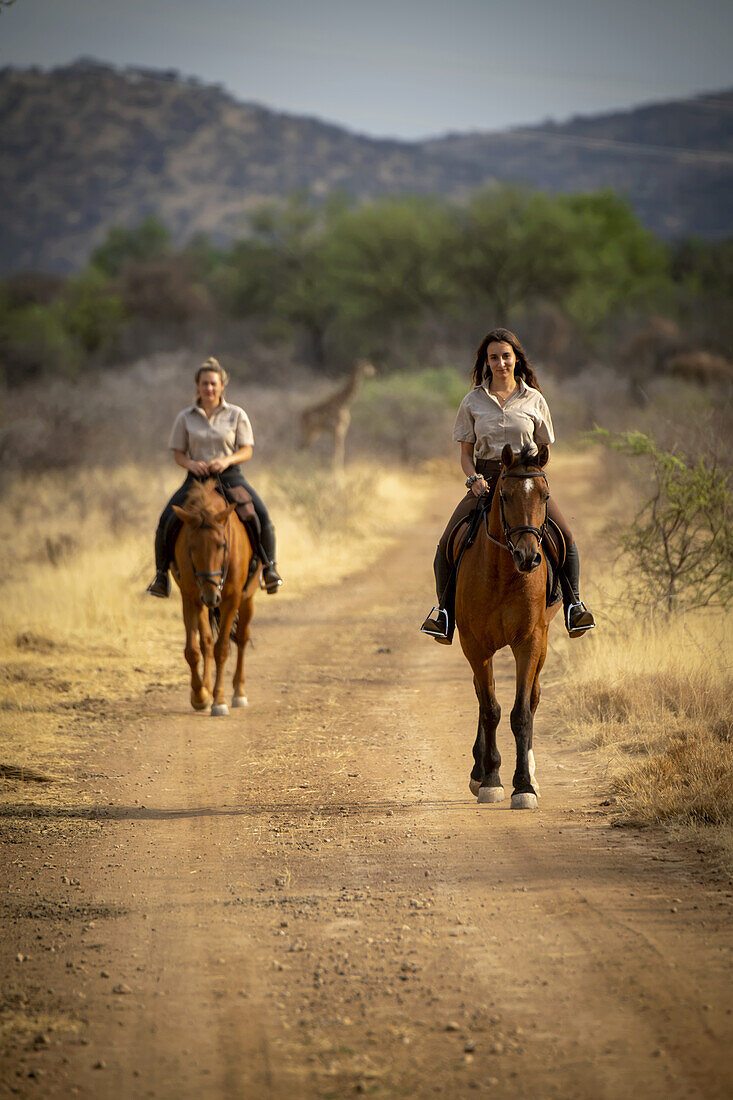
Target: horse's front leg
<point>221,652</point>
<point>527,657</point>
<point>200,689</point>
<point>485,780</point>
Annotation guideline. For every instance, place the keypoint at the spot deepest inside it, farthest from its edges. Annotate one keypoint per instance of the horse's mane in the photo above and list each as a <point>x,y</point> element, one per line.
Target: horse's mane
<point>525,456</point>
<point>203,502</point>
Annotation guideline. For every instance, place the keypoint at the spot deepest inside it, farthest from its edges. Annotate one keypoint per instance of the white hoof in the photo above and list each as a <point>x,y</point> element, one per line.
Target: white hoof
<point>239,701</point>
<point>490,794</point>
<point>474,787</point>
<point>524,801</point>
<point>532,773</point>
<point>219,710</point>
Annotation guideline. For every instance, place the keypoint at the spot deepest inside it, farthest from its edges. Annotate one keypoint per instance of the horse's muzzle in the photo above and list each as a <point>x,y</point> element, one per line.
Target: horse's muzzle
<point>211,597</point>
<point>527,563</point>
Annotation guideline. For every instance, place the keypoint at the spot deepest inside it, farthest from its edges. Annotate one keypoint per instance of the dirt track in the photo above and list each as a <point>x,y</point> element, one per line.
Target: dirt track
<point>303,900</point>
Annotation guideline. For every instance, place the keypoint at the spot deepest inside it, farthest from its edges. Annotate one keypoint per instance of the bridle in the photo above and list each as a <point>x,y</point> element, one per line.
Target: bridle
<point>509,532</point>
<point>221,573</point>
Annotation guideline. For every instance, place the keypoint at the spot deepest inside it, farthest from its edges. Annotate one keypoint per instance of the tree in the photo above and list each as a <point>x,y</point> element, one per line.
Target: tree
<point>150,240</point>
<point>680,542</point>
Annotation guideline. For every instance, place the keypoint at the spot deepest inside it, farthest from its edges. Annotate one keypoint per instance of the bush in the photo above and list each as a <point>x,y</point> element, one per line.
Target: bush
<point>680,542</point>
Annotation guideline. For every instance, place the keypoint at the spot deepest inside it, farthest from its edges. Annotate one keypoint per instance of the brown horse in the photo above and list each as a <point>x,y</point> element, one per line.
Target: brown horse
<point>500,601</point>
<point>212,559</point>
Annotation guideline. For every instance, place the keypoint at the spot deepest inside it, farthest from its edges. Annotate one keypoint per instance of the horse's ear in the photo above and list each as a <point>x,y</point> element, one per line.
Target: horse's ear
<point>507,456</point>
<point>543,455</point>
<point>183,515</point>
<point>222,517</point>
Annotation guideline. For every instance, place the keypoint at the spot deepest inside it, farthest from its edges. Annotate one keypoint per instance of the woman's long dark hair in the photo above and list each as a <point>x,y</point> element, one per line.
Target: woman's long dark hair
<point>523,368</point>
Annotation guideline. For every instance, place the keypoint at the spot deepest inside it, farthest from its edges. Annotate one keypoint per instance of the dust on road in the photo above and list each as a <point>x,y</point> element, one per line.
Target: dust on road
<point>303,900</point>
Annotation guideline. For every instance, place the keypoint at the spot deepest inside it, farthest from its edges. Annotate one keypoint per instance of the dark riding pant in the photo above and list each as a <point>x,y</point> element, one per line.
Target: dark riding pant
<point>169,524</point>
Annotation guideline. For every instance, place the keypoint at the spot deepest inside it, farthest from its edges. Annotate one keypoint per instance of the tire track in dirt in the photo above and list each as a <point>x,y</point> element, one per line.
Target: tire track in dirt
<point>306,901</point>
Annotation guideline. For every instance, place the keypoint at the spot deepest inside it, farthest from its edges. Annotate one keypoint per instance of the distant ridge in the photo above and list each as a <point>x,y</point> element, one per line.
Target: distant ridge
<point>87,146</point>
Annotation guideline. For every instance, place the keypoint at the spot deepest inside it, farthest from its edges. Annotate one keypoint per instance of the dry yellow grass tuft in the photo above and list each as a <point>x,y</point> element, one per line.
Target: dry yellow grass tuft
<point>655,698</point>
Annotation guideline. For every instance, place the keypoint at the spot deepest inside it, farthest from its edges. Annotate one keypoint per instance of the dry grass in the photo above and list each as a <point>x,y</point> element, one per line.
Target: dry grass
<point>653,696</point>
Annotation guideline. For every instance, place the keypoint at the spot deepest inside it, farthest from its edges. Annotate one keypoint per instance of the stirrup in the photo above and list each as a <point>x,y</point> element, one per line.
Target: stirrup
<point>585,620</point>
<point>438,626</point>
<point>272,581</point>
<point>160,587</point>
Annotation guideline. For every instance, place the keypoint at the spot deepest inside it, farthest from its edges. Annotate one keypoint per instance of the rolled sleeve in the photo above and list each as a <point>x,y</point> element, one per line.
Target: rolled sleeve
<point>178,440</point>
<point>463,429</point>
<point>244,436</point>
<point>543,431</point>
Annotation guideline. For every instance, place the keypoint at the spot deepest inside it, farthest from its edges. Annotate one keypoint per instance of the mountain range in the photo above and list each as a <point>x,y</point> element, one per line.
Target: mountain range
<point>87,146</point>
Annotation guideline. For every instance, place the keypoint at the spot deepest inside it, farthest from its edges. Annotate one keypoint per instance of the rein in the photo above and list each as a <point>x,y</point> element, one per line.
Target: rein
<point>222,573</point>
<point>538,532</point>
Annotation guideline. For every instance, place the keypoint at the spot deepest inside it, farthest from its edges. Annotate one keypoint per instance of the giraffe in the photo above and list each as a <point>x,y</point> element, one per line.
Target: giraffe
<point>333,416</point>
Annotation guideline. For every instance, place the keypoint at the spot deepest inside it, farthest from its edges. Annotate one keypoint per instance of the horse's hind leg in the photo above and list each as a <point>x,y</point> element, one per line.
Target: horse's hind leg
<point>246,609</point>
<point>485,781</point>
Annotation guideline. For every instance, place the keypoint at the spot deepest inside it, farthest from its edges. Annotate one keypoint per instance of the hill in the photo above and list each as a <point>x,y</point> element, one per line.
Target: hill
<point>88,146</point>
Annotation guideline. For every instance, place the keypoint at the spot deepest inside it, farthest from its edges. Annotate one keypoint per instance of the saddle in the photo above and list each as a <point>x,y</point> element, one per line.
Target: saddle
<point>245,510</point>
<point>554,549</point>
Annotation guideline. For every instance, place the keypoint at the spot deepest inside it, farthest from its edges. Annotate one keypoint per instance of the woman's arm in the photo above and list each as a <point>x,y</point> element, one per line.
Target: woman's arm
<point>242,455</point>
<point>469,468</point>
<point>200,469</point>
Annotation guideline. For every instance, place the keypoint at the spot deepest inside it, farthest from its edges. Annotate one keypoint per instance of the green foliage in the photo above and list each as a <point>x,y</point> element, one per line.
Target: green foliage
<point>34,339</point>
<point>680,542</point>
<point>92,315</point>
<point>150,240</point>
<point>513,246</point>
<point>704,267</point>
<point>617,263</point>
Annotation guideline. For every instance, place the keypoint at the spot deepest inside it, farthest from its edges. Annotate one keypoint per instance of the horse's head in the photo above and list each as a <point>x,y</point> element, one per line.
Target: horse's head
<point>523,494</point>
<point>208,548</point>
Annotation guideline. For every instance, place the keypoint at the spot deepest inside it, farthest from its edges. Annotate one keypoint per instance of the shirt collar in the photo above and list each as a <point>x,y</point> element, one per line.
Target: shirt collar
<point>521,388</point>
<point>196,407</point>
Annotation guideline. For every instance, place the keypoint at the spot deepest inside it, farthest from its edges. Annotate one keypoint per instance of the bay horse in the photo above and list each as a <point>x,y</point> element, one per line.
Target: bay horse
<point>501,601</point>
<point>212,558</point>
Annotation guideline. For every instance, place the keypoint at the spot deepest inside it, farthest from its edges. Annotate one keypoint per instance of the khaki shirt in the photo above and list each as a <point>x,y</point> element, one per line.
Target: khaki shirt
<point>525,419</point>
<point>204,440</point>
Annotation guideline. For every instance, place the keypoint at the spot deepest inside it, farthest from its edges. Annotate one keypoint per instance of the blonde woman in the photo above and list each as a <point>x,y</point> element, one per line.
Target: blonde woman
<point>212,438</point>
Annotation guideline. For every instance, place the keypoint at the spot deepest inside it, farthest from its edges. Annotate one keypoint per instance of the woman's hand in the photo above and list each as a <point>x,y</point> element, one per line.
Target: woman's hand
<point>198,469</point>
<point>218,465</point>
<point>479,487</point>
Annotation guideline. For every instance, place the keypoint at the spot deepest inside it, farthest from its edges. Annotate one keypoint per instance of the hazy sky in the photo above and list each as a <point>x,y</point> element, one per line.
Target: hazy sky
<point>402,68</point>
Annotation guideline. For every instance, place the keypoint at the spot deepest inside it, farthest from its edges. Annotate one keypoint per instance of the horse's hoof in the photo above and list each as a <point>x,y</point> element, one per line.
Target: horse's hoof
<point>219,710</point>
<point>490,794</point>
<point>240,701</point>
<point>524,800</point>
<point>200,704</point>
<point>474,785</point>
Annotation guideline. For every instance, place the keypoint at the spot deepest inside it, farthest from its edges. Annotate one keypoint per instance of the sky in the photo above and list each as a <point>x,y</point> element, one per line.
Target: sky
<point>399,68</point>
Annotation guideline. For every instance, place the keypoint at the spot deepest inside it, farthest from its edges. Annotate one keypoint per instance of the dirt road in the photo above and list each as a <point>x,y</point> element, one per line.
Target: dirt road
<point>303,900</point>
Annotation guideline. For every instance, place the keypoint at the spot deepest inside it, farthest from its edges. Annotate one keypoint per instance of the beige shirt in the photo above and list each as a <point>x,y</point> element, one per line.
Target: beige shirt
<point>204,440</point>
<point>524,419</point>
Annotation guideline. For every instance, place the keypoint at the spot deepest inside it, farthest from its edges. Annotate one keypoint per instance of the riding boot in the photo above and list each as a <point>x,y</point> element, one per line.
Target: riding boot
<point>578,618</point>
<point>271,579</point>
<point>441,622</point>
<point>166,534</point>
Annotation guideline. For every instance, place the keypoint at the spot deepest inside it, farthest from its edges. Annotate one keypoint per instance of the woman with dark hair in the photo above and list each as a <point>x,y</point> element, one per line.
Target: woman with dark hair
<point>505,406</point>
<point>212,438</point>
